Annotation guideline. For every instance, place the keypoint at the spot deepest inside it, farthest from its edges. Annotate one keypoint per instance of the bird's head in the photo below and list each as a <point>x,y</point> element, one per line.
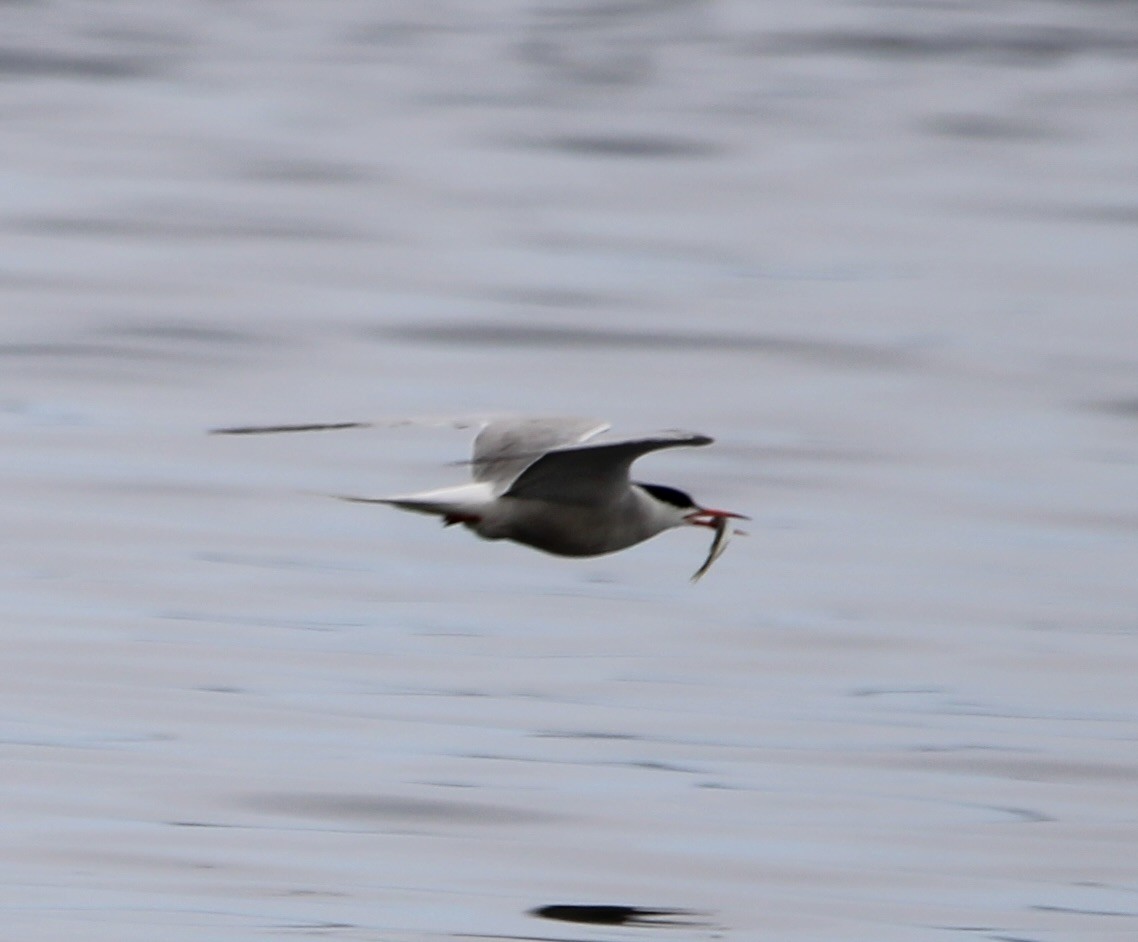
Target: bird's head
<point>679,506</point>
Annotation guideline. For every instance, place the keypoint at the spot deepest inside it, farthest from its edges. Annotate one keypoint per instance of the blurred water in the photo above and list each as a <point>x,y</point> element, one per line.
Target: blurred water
<point>883,252</point>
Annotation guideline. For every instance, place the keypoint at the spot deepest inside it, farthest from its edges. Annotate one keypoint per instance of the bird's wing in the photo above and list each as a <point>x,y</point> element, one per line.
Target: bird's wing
<point>592,474</point>
<point>429,421</point>
<point>506,447</point>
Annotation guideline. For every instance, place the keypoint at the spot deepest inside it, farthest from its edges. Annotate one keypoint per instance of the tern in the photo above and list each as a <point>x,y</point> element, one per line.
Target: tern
<point>543,482</point>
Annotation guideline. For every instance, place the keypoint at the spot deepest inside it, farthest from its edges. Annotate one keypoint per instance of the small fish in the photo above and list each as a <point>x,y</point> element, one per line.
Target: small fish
<point>723,533</point>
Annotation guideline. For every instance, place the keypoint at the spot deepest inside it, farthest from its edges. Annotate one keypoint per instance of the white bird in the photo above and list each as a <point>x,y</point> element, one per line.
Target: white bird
<point>542,483</point>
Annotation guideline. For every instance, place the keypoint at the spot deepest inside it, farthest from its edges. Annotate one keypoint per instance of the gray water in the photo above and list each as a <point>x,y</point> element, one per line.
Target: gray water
<point>884,253</point>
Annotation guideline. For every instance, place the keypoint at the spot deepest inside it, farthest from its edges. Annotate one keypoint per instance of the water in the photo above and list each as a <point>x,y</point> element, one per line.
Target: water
<point>884,254</point>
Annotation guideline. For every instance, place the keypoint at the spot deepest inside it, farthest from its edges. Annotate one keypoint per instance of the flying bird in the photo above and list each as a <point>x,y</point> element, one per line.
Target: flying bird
<point>544,483</point>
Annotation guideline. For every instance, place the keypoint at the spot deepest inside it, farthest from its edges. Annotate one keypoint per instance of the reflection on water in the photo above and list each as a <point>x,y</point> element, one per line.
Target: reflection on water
<point>882,254</point>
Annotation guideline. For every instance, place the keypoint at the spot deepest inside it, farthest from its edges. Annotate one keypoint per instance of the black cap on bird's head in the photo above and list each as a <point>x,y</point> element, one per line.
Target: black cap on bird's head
<point>670,495</point>
<point>682,501</point>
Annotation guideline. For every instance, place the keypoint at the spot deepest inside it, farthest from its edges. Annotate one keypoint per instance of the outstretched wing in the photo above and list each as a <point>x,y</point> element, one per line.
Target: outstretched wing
<point>592,474</point>
<point>429,421</point>
<point>506,447</point>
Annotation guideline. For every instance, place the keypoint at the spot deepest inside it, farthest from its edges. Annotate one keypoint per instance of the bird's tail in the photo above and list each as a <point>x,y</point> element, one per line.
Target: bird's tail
<point>451,503</point>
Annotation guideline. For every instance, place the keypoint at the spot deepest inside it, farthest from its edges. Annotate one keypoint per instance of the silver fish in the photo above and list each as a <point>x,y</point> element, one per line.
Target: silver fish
<point>723,533</point>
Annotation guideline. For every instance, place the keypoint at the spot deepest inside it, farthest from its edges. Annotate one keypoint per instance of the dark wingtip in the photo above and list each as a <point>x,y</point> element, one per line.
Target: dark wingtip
<point>690,438</point>
<point>270,429</point>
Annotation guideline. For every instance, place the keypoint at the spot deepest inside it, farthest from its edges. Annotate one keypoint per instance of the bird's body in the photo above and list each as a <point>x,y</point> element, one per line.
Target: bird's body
<point>544,483</point>
<point>541,483</point>
<point>579,529</point>
<point>576,529</point>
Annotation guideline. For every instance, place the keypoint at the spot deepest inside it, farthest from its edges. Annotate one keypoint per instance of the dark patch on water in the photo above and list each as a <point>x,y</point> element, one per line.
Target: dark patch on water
<point>586,734</point>
<point>116,354</point>
<point>1109,522</point>
<point>1014,938</point>
<point>177,224</point>
<point>999,767</point>
<point>200,824</point>
<point>399,33</point>
<point>655,766</point>
<point>1076,911</point>
<point>1055,770</point>
<point>551,297</point>
<point>654,146</point>
<point>978,127</point>
<point>1125,214</point>
<point>389,810</point>
<point>647,765</point>
<point>950,748</point>
<point>119,345</point>
<point>62,349</point>
<point>39,63</point>
<point>607,43</point>
<point>1025,815</point>
<point>615,915</point>
<point>894,691</point>
<point>1025,45</point>
<point>1127,407</point>
<point>294,170</point>
<point>1121,213</point>
<point>310,927</point>
<point>183,332</point>
<point>522,336</point>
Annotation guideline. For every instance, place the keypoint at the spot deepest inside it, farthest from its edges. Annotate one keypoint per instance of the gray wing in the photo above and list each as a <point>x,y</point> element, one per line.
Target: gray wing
<point>506,447</point>
<point>592,474</point>
<point>473,420</point>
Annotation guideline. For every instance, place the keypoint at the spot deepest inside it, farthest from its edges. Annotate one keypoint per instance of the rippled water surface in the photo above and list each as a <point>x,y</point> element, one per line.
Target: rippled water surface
<point>884,253</point>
